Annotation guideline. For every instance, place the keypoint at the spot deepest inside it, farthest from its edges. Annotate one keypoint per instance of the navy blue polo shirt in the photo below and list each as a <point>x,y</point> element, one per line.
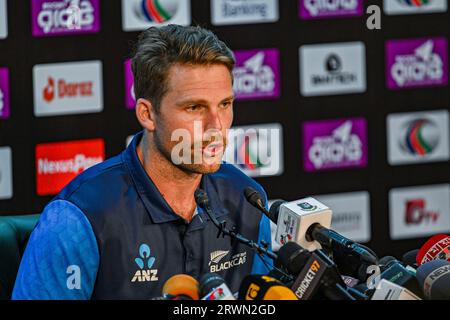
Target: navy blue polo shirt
<point>109,234</point>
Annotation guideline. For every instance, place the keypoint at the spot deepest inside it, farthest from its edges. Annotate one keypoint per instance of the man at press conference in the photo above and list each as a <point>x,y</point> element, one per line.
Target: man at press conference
<point>135,214</point>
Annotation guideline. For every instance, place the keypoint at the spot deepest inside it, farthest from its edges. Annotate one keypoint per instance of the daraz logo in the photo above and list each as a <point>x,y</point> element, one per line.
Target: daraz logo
<point>68,88</point>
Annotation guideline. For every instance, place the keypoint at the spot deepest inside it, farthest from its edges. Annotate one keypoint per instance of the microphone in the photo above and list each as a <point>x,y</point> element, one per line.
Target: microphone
<point>387,290</point>
<point>202,200</point>
<point>212,287</point>
<point>315,272</point>
<point>181,286</point>
<point>306,222</point>
<point>255,199</point>
<point>437,247</point>
<point>393,271</point>
<point>434,278</point>
<point>262,287</point>
<point>409,258</point>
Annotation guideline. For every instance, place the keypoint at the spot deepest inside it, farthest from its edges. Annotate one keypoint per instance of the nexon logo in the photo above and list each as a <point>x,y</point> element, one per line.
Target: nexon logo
<point>145,263</point>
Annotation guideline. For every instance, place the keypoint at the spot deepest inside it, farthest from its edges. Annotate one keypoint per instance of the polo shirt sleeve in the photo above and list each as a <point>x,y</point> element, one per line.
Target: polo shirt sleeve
<point>61,259</point>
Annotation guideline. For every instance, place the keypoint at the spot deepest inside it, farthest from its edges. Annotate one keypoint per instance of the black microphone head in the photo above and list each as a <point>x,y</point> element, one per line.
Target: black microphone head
<point>292,257</point>
<point>409,258</point>
<point>434,279</point>
<point>385,262</point>
<point>275,210</point>
<point>250,193</point>
<point>254,198</point>
<point>208,282</point>
<point>201,197</point>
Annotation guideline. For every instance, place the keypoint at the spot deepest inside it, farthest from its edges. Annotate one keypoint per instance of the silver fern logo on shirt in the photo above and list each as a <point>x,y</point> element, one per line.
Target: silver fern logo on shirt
<point>215,264</point>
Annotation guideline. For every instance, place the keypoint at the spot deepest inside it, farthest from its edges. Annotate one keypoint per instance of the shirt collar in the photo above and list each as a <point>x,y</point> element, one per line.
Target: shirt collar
<point>156,205</point>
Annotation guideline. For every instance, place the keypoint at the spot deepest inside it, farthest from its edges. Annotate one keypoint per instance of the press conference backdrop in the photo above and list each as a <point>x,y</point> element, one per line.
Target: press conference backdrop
<point>357,117</point>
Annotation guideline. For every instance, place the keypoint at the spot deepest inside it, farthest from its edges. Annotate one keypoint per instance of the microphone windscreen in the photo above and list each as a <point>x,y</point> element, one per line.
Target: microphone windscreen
<point>262,287</point>
<point>292,257</point>
<point>385,262</point>
<point>437,247</point>
<point>274,210</point>
<point>208,282</point>
<point>409,258</point>
<point>181,285</point>
<point>434,279</point>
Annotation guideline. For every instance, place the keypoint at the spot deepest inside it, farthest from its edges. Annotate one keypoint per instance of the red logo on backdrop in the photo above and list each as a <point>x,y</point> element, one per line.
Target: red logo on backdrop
<point>58,163</point>
<point>49,90</point>
<point>416,213</point>
<point>66,89</point>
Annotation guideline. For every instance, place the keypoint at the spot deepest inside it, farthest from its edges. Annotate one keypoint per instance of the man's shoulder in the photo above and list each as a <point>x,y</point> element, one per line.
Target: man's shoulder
<point>104,180</point>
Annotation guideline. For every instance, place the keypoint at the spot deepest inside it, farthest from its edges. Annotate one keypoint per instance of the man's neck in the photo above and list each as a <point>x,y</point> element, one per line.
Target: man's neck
<point>175,185</point>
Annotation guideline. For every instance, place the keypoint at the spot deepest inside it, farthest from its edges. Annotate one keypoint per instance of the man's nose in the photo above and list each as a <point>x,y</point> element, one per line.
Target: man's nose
<point>214,119</point>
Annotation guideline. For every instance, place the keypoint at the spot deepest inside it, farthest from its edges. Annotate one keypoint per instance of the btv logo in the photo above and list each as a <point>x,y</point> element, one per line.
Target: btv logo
<point>145,261</point>
<point>66,90</point>
<point>416,212</point>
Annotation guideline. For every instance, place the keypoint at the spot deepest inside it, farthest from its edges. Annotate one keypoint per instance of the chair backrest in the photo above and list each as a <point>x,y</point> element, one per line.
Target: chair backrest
<point>14,234</point>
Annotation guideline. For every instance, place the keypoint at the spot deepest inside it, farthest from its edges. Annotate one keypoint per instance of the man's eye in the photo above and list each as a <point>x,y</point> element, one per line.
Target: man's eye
<point>227,104</point>
<point>194,107</point>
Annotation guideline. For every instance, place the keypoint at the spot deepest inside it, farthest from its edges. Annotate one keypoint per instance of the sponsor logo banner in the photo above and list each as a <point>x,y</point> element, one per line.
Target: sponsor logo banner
<point>58,163</point>
<point>130,99</point>
<point>418,137</point>
<point>142,14</point>
<point>257,150</point>
<point>393,7</point>
<point>63,17</point>
<point>419,211</point>
<point>257,74</point>
<point>226,12</point>
<point>315,9</point>
<point>416,63</point>
<point>4,94</point>
<point>6,185</point>
<point>351,214</point>
<point>3,20</point>
<point>327,69</point>
<point>68,88</point>
<point>335,144</point>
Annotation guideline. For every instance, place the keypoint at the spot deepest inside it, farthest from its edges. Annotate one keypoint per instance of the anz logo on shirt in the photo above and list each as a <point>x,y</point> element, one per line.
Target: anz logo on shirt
<point>145,263</point>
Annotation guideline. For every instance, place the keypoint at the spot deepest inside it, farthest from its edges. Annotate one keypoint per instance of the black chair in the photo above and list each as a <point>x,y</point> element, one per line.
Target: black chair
<point>14,234</point>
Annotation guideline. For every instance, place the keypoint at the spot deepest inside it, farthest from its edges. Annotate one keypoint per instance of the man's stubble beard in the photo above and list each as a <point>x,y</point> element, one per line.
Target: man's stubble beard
<point>189,168</point>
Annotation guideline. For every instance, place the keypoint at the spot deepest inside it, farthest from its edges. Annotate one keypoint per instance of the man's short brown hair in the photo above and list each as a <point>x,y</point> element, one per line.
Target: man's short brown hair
<point>159,48</point>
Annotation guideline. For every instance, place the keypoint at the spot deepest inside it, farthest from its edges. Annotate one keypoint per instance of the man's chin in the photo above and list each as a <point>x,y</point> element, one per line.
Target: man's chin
<point>200,168</point>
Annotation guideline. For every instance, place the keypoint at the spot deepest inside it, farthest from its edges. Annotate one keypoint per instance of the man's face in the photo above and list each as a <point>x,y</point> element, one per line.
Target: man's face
<point>195,114</point>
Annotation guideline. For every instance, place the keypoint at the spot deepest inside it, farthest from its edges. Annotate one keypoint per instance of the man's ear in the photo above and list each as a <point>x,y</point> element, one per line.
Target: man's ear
<point>145,114</point>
